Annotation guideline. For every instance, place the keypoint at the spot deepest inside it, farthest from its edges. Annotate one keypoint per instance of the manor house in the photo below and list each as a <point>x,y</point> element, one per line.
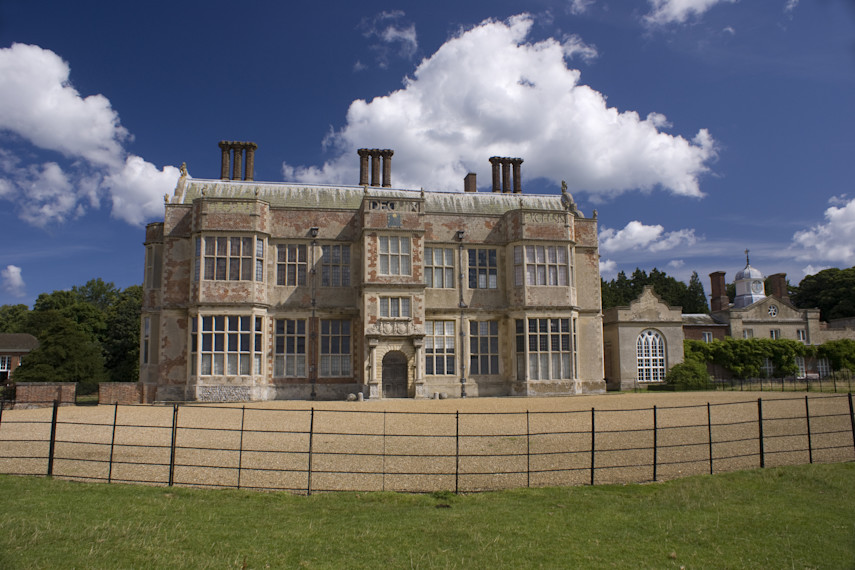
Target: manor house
<point>262,291</point>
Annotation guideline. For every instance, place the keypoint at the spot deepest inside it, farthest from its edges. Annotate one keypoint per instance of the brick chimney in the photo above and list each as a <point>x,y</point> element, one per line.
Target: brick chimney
<point>233,168</point>
<point>502,174</point>
<point>469,183</point>
<point>718,292</point>
<point>778,286</point>
<point>370,162</point>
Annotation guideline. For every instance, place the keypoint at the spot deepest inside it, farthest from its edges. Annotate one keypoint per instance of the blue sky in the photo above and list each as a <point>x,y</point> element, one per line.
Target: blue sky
<point>696,128</point>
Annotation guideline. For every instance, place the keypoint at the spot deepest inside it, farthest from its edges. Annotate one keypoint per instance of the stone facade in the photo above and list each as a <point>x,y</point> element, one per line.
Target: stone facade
<point>260,291</point>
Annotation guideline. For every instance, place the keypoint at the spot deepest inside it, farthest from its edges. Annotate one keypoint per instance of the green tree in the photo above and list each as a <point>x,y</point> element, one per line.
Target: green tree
<point>122,345</point>
<point>832,291</point>
<point>97,293</point>
<point>13,318</point>
<point>840,353</point>
<point>623,290</point>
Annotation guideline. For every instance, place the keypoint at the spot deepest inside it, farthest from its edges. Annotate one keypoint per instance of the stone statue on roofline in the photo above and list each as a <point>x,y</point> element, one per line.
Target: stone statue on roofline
<point>567,199</point>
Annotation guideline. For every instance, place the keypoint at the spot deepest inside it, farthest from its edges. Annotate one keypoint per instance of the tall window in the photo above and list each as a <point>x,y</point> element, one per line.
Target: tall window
<point>549,347</point>
<point>801,335</point>
<point>707,336</point>
<point>439,347</point>
<point>544,265</point>
<point>767,368</point>
<point>483,269</point>
<point>823,368</point>
<point>650,354</point>
<point>800,363</point>
<point>291,264</point>
<point>335,348</point>
<point>230,344</point>
<point>439,267</point>
<point>395,307</point>
<point>483,347</point>
<point>775,334</point>
<point>289,354</point>
<point>152,267</point>
<point>394,255</point>
<point>5,367</point>
<point>335,266</point>
<point>146,338</point>
<point>232,258</point>
<point>748,333</point>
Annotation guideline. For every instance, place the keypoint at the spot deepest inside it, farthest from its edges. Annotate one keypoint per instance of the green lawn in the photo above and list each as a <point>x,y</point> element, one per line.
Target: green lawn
<point>793,517</point>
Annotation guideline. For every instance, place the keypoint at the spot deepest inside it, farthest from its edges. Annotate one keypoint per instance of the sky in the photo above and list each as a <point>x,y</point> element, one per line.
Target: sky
<point>696,128</point>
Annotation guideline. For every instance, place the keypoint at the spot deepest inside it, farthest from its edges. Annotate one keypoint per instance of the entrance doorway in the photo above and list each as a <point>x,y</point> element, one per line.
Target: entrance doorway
<point>395,375</point>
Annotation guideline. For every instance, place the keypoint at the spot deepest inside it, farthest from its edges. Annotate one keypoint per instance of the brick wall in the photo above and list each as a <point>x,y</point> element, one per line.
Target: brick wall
<point>45,392</point>
<point>120,393</point>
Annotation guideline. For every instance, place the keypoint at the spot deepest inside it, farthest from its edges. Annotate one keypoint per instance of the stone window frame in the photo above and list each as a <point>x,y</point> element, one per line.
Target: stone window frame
<point>444,269</point>
<point>801,335</point>
<point>335,268</point>
<point>775,334</point>
<point>546,348</point>
<point>483,264</point>
<point>335,362</point>
<point>290,348</point>
<point>292,264</point>
<point>146,339</point>
<point>217,259</point>
<point>152,266</point>
<point>484,348</point>
<point>650,356</point>
<point>389,304</point>
<point>437,356</point>
<point>227,340</point>
<point>542,265</point>
<point>747,333</point>
<point>391,257</point>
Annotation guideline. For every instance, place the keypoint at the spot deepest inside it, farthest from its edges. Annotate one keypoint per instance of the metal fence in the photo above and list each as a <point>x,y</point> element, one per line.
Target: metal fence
<point>306,451</point>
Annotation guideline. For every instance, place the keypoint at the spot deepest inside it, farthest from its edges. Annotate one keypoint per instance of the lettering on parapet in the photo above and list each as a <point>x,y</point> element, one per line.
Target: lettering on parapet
<point>543,217</point>
<point>231,208</point>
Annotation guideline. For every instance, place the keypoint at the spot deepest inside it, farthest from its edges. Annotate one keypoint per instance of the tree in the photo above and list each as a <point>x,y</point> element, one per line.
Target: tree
<point>840,353</point>
<point>122,345</point>
<point>832,291</point>
<point>12,318</point>
<point>97,293</point>
<point>622,291</point>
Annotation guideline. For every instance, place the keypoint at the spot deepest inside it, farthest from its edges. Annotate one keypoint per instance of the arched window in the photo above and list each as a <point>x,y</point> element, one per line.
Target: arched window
<point>650,349</point>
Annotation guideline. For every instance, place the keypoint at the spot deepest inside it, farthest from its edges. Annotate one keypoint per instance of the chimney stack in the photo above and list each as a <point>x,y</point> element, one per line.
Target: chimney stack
<point>502,174</point>
<point>778,286</point>
<point>376,155</point>
<point>718,292</point>
<point>469,183</point>
<point>235,166</point>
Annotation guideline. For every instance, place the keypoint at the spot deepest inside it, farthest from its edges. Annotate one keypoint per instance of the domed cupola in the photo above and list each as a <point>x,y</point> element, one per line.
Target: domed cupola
<point>749,286</point>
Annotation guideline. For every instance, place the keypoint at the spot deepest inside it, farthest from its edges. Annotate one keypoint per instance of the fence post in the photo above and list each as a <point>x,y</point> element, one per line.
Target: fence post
<point>527,450</point>
<point>172,446</point>
<point>834,379</point>
<point>852,418</point>
<point>112,442</point>
<point>760,424</point>
<point>807,418</point>
<point>52,444</point>
<point>655,426</point>
<point>240,445</point>
<point>383,476</point>
<point>709,432</point>
<point>456,451</point>
<point>311,436</point>
<point>593,432</point>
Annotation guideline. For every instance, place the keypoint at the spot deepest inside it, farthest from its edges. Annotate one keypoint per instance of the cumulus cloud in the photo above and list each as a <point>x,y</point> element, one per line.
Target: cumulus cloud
<point>488,92</point>
<point>392,36</point>
<point>608,268</point>
<point>833,240</point>
<point>40,106</point>
<point>12,282</point>
<point>638,236</point>
<point>664,12</point>
<point>137,189</point>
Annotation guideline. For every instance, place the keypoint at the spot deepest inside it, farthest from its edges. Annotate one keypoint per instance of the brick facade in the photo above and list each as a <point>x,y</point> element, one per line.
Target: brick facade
<point>45,393</point>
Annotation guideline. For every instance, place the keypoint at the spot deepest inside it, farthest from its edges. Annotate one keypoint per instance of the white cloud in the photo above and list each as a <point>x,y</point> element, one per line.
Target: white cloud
<point>12,281</point>
<point>41,107</point>
<point>638,236</point>
<point>813,269</point>
<point>580,6</point>
<point>487,92</point>
<point>790,6</point>
<point>832,241</point>
<point>678,11</point>
<point>574,46</point>
<point>392,35</point>
<point>607,268</point>
<point>676,263</point>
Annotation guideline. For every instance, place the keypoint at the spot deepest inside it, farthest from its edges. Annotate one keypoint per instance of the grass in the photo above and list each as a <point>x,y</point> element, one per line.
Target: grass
<point>794,517</point>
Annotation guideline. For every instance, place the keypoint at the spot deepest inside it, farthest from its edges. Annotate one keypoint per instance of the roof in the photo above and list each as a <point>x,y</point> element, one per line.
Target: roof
<point>17,342</point>
<point>749,272</point>
<point>314,196</point>
<point>700,319</point>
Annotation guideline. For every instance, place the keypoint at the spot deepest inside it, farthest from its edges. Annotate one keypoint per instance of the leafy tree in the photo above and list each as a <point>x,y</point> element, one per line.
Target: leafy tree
<point>840,353</point>
<point>122,345</point>
<point>12,318</point>
<point>97,293</point>
<point>65,353</point>
<point>623,290</point>
<point>744,358</point>
<point>832,291</point>
<point>689,374</point>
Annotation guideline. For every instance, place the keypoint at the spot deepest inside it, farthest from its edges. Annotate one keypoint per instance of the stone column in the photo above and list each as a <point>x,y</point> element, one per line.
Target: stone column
<point>418,372</point>
<point>506,176</point>
<point>225,164</point>
<point>237,173</point>
<point>387,167</point>
<point>375,389</point>
<point>494,160</point>
<point>363,166</point>
<point>375,168</point>
<point>250,160</point>
<point>517,180</point>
